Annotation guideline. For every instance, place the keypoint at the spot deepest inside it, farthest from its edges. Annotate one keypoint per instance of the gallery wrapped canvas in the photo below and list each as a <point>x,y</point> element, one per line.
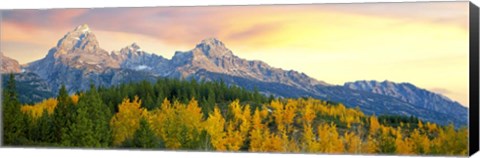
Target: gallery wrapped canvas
<point>356,79</point>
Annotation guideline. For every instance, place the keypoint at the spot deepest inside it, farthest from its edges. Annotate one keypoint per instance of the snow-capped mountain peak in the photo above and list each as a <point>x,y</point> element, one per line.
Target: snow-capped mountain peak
<point>212,48</point>
<point>80,39</point>
<point>83,28</point>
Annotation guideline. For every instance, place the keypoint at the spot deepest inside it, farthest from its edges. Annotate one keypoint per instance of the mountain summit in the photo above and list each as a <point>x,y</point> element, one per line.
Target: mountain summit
<point>213,47</point>
<point>81,39</point>
<point>211,55</point>
<point>78,61</point>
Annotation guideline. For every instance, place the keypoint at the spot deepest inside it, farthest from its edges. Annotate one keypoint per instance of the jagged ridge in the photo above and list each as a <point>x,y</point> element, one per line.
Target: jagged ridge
<point>78,60</point>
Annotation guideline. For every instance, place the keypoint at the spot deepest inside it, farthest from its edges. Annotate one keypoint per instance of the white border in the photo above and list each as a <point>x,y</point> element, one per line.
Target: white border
<point>46,4</point>
<point>73,153</point>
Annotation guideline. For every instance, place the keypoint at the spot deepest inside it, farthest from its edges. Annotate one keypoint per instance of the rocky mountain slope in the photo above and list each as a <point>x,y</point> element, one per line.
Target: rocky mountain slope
<point>78,58</point>
<point>78,61</point>
<point>9,65</point>
<point>411,94</point>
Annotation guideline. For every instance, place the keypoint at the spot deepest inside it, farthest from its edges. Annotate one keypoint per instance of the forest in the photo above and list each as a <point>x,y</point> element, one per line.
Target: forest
<point>212,116</point>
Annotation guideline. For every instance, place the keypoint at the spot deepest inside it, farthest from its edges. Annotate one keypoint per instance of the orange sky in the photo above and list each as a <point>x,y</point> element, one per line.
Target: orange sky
<point>422,43</point>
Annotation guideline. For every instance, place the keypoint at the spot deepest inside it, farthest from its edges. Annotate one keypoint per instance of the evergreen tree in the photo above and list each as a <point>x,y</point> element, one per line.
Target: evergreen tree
<point>45,128</point>
<point>13,119</point>
<point>91,125</point>
<point>63,114</point>
<point>144,137</point>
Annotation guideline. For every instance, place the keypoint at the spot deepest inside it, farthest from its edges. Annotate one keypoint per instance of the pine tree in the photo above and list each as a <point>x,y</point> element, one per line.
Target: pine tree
<point>45,128</point>
<point>14,128</point>
<point>91,124</point>
<point>62,114</point>
<point>144,137</point>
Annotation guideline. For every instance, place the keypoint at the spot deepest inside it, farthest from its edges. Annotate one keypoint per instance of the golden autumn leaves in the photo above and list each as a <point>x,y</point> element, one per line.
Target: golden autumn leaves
<point>48,104</point>
<point>287,125</point>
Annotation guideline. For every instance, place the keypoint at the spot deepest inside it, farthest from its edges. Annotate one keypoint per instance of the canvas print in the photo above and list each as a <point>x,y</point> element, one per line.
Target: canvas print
<point>366,78</point>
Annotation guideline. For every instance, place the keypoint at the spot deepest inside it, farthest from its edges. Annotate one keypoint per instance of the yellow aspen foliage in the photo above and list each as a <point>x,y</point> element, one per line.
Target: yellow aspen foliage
<point>289,145</point>
<point>166,124</point>
<point>235,109</point>
<point>308,139</point>
<point>256,140</point>
<point>432,127</point>
<point>278,114</point>
<point>370,146</point>
<point>290,110</point>
<point>308,113</point>
<point>273,143</point>
<point>420,124</point>
<point>36,110</point>
<point>329,140</point>
<point>215,125</point>
<point>421,143</point>
<point>462,141</point>
<point>403,146</point>
<point>283,125</point>
<point>261,139</point>
<point>247,112</point>
<point>234,139</point>
<point>256,134</point>
<point>159,115</point>
<point>353,143</point>
<point>438,143</point>
<point>75,99</point>
<point>238,127</point>
<point>450,141</point>
<point>245,126</point>
<point>257,119</point>
<point>192,116</point>
<point>264,113</point>
<point>374,124</point>
<point>340,109</point>
<point>183,126</point>
<point>349,119</point>
<point>126,121</point>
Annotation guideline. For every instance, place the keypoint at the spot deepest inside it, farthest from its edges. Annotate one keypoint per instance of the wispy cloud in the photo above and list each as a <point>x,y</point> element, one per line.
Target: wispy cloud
<point>395,41</point>
<point>442,91</point>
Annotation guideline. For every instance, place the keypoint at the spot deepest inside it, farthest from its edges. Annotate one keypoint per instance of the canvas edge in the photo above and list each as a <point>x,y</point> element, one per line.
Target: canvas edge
<point>474,79</point>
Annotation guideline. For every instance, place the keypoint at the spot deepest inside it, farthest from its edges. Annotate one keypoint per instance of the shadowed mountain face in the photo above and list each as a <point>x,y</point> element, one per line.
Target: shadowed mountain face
<point>408,93</point>
<point>411,94</point>
<point>78,60</point>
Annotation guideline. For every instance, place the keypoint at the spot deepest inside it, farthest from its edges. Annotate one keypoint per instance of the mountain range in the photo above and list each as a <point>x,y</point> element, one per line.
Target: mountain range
<point>77,60</point>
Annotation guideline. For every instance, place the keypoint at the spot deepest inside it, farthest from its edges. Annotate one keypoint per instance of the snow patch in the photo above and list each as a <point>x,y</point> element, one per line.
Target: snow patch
<point>142,67</point>
<point>86,30</point>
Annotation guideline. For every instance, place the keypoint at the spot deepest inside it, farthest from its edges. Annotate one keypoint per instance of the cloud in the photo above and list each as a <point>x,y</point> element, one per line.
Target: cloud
<point>176,25</point>
<point>29,20</point>
<point>307,38</point>
<point>441,91</point>
<point>451,13</point>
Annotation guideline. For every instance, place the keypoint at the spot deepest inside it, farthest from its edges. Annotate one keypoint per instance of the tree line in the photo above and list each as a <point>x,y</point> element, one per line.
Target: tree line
<point>187,117</point>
